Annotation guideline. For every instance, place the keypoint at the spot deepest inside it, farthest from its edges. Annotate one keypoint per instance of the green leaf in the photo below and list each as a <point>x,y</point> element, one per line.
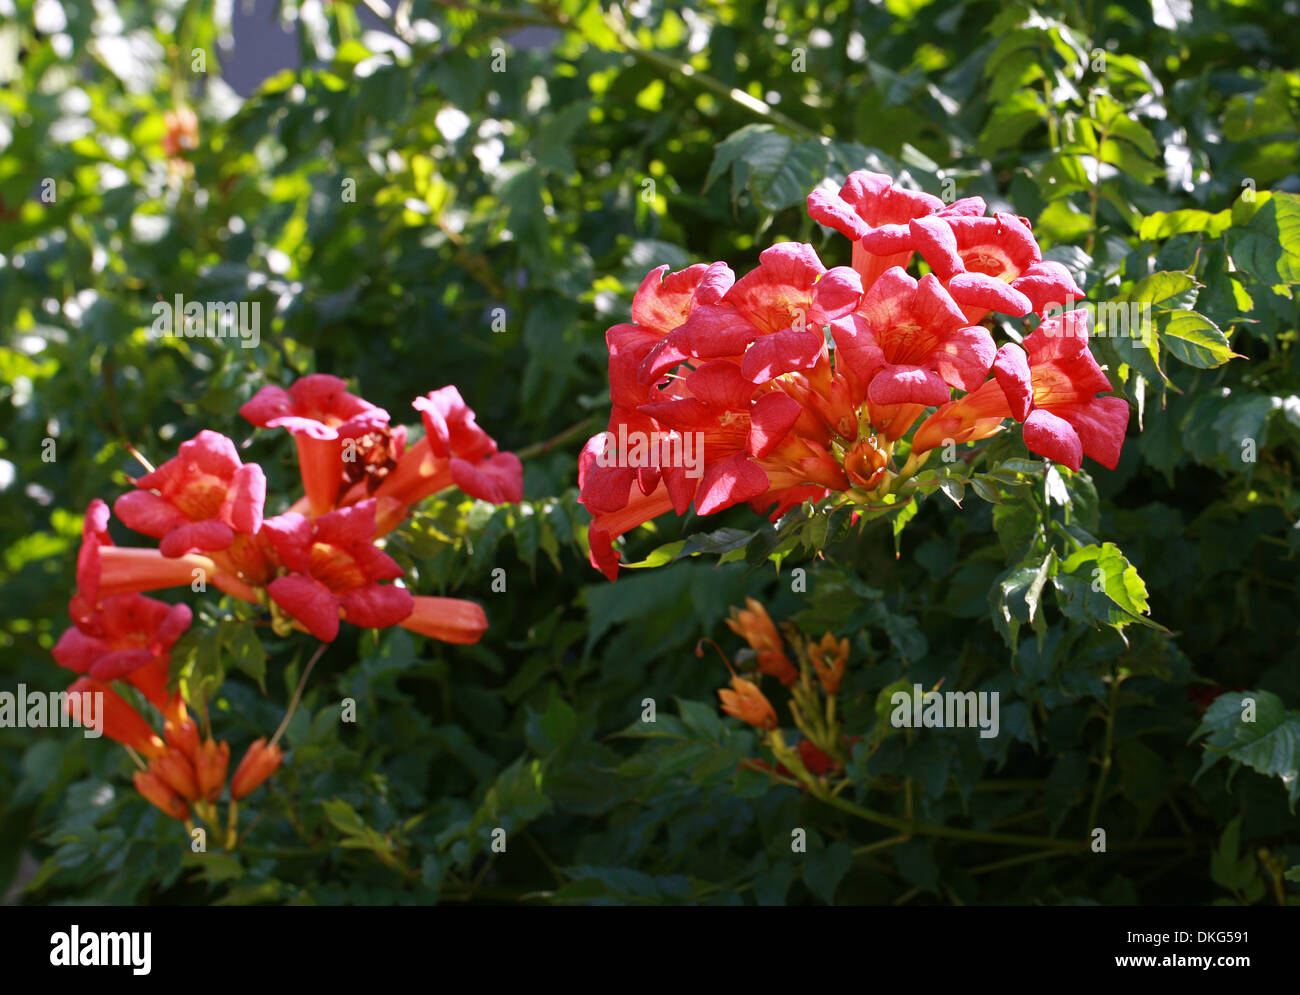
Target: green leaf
<point>1270,744</point>
<point>245,651</point>
<point>1162,225</point>
<point>1229,868</point>
<point>658,557</point>
<point>825,868</point>
<point>1195,339</point>
<point>1268,248</point>
<point>1017,597</point>
<point>1164,290</point>
<point>899,522</point>
<point>1096,584</point>
<point>778,170</point>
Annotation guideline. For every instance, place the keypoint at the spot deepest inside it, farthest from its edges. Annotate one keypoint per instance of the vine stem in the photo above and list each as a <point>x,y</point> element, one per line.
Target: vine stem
<point>538,448</point>
<point>297,695</point>
<point>551,16</point>
<point>1111,706</point>
<point>949,832</point>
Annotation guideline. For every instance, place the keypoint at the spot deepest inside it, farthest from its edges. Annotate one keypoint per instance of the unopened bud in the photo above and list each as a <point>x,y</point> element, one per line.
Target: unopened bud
<point>210,765</point>
<point>745,701</point>
<point>829,658</point>
<point>865,464</point>
<point>176,771</point>
<point>259,763</point>
<point>155,790</point>
<point>182,736</point>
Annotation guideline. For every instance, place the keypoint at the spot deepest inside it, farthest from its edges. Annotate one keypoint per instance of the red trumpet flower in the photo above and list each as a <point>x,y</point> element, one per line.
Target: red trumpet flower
<point>874,214</point>
<point>130,637</point>
<point>454,451</point>
<point>326,421</point>
<point>770,319</point>
<point>199,500</point>
<point>909,342</point>
<point>1050,385</point>
<point>335,567</point>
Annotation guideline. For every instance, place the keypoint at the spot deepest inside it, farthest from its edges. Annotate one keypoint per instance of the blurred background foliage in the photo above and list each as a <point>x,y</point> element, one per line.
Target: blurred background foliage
<point>461,193</point>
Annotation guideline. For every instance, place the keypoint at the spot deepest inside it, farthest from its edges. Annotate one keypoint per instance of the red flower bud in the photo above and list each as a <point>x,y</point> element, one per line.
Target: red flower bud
<point>259,763</point>
<point>210,766</point>
<point>155,790</point>
<point>183,737</point>
<point>865,464</point>
<point>175,770</point>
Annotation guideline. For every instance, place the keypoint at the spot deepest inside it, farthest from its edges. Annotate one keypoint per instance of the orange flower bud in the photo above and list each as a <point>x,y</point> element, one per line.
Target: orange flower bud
<point>155,790</point>
<point>175,770</point>
<point>746,702</point>
<point>259,763</point>
<point>829,658</point>
<point>183,737</point>
<point>210,767</point>
<point>756,627</point>
<point>865,464</point>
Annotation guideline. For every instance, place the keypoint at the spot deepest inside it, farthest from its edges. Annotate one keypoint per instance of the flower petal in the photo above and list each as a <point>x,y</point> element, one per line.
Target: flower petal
<point>783,352</point>
<point>499,479</point>
<point>1101,424</point>
<point>978,290</point>
<point>964,356</point>
<point>310,602</point>
<point>730,481</point>
<point>908,385</point>
<point>1052,436</point>
<point>1011,370</point>
<point>377,606</point>
<point>196,537</point>
<point>934,239</point>
<point>770,419</point>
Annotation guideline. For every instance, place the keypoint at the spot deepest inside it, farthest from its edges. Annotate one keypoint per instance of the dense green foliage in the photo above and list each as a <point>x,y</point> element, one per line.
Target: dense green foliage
<point>382,206</point>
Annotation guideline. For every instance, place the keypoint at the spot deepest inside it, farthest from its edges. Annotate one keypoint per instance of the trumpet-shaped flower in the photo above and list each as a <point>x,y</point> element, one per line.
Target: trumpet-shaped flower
<point>199,500</point>
<point>770,319</point>
<point>756,627</point>
<point>454,451</point>
<point>1050,385</point>
<point>909,342</point>
<point>127,637</point>
<point>122,723</point>
<point>324,419</point>
<point>335,568</point>
<point>874,214</point>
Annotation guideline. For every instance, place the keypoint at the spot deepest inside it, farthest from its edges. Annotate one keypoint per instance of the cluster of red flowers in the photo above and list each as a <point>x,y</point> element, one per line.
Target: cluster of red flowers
<point>786,412</point>
<point>312,565</point>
